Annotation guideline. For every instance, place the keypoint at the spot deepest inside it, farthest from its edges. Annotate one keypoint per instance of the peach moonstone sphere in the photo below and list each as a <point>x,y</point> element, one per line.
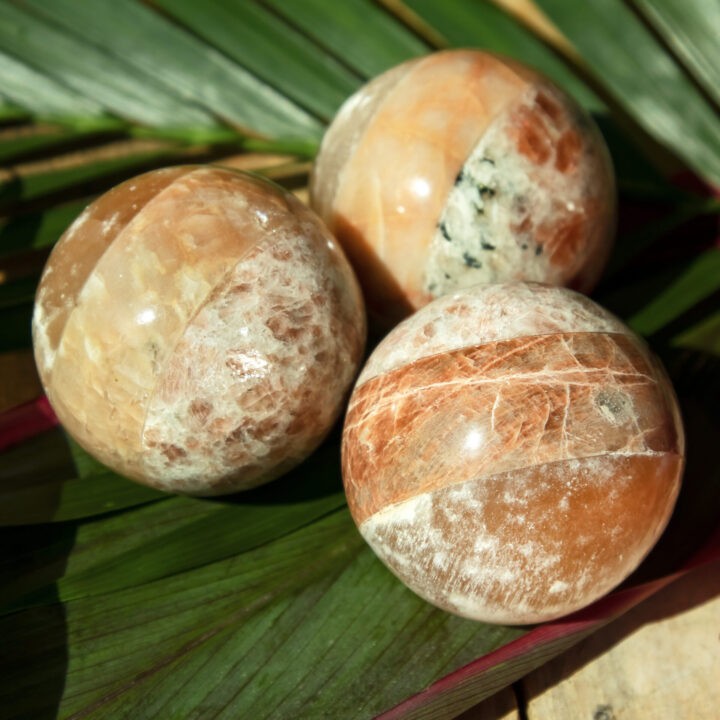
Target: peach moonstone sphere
<point>197,329</point>
<point>462,168</point>
<point>512,452</point>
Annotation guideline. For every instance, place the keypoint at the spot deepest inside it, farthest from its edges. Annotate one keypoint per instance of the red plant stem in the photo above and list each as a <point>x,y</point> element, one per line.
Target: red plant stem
<point>25,421</point>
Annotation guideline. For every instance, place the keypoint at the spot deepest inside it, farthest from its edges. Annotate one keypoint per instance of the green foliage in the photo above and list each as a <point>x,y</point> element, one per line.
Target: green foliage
<point>644,78</point>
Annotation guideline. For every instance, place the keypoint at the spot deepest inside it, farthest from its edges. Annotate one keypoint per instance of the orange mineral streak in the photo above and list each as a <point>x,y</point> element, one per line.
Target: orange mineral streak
<point>577,238</point>
<point>395,185</point>
<point>466,414</point>
<point>163,264</point>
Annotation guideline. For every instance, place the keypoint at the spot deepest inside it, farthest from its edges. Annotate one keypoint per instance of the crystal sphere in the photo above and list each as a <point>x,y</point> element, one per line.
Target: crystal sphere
<point>461,168</point>
<point>197,329</point>
<point>512,452</point>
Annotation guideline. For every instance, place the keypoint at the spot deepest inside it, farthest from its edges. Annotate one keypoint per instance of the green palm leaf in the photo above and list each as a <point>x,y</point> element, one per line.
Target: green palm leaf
<point>690,29</point>
<point>186,66</point>
<point>639,72</point>
<point>93,73</point>
<point>252,36</point>
<point>118,601</point>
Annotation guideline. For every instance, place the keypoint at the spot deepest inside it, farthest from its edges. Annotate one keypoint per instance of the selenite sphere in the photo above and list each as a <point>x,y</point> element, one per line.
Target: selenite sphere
<point>462,168</point>
<point>512,452</point>
<point>197,329</point>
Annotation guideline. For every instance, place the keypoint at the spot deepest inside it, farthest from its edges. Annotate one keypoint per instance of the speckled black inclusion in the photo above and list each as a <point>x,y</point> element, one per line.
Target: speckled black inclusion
<point>471,261</point>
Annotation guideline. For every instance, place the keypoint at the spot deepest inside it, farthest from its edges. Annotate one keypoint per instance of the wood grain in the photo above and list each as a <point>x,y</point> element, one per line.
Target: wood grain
<point>660,660</point>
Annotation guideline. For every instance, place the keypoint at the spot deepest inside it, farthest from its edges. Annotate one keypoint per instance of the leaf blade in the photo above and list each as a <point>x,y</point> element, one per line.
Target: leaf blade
<point>309,573</point>
<point>92,73</point>
<point>184,65</point>
<point>281,57</point>
<point>41,94</point>
<point>660,98</point>
<point>382,43</point>
<point>471,24</point>
<point>691,29</point>
<point>700,280</point>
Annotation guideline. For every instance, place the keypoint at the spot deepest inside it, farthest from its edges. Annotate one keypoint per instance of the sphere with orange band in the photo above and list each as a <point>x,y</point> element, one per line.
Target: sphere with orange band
<point>512,452</point>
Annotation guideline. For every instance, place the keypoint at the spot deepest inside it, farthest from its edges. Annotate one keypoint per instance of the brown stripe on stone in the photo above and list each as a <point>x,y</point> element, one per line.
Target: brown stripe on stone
<point>501,406</point>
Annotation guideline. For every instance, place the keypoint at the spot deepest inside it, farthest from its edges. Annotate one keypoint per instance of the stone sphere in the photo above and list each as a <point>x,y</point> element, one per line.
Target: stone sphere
<point>512,452</point>
<point>462,168</point>
<point>197,329</point>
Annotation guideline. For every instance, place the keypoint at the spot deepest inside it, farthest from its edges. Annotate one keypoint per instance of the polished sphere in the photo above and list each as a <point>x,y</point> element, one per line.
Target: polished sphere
<point>462,168</point>
<point>512,452</point>
<point>197,329</point>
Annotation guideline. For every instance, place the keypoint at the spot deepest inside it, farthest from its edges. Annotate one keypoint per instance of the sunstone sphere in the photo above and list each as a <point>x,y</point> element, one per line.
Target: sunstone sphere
<point>512,452</point>
<point>461,168</point>
<point>197,329</point>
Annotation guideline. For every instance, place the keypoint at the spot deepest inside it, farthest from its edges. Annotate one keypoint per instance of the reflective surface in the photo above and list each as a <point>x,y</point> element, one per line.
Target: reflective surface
<point>461,168</point>
<point>519,471</point>
<point>196,329</point>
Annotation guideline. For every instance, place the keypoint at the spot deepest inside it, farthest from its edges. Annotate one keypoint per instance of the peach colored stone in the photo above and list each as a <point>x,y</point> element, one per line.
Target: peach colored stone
<point>462,168</point>
<point>196,329</point>
<point>519,472</point>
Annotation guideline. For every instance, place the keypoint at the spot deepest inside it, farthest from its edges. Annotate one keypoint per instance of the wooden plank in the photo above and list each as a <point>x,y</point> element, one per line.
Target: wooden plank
<point>660,660</point>
<point>501,706</point>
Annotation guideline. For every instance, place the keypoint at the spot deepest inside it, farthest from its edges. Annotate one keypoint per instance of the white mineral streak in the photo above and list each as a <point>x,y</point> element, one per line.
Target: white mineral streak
<point>109,224</point>
<point>494,565</point>
<point>45,350</point>
<point>484,314</point>
<point>477,240</point>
